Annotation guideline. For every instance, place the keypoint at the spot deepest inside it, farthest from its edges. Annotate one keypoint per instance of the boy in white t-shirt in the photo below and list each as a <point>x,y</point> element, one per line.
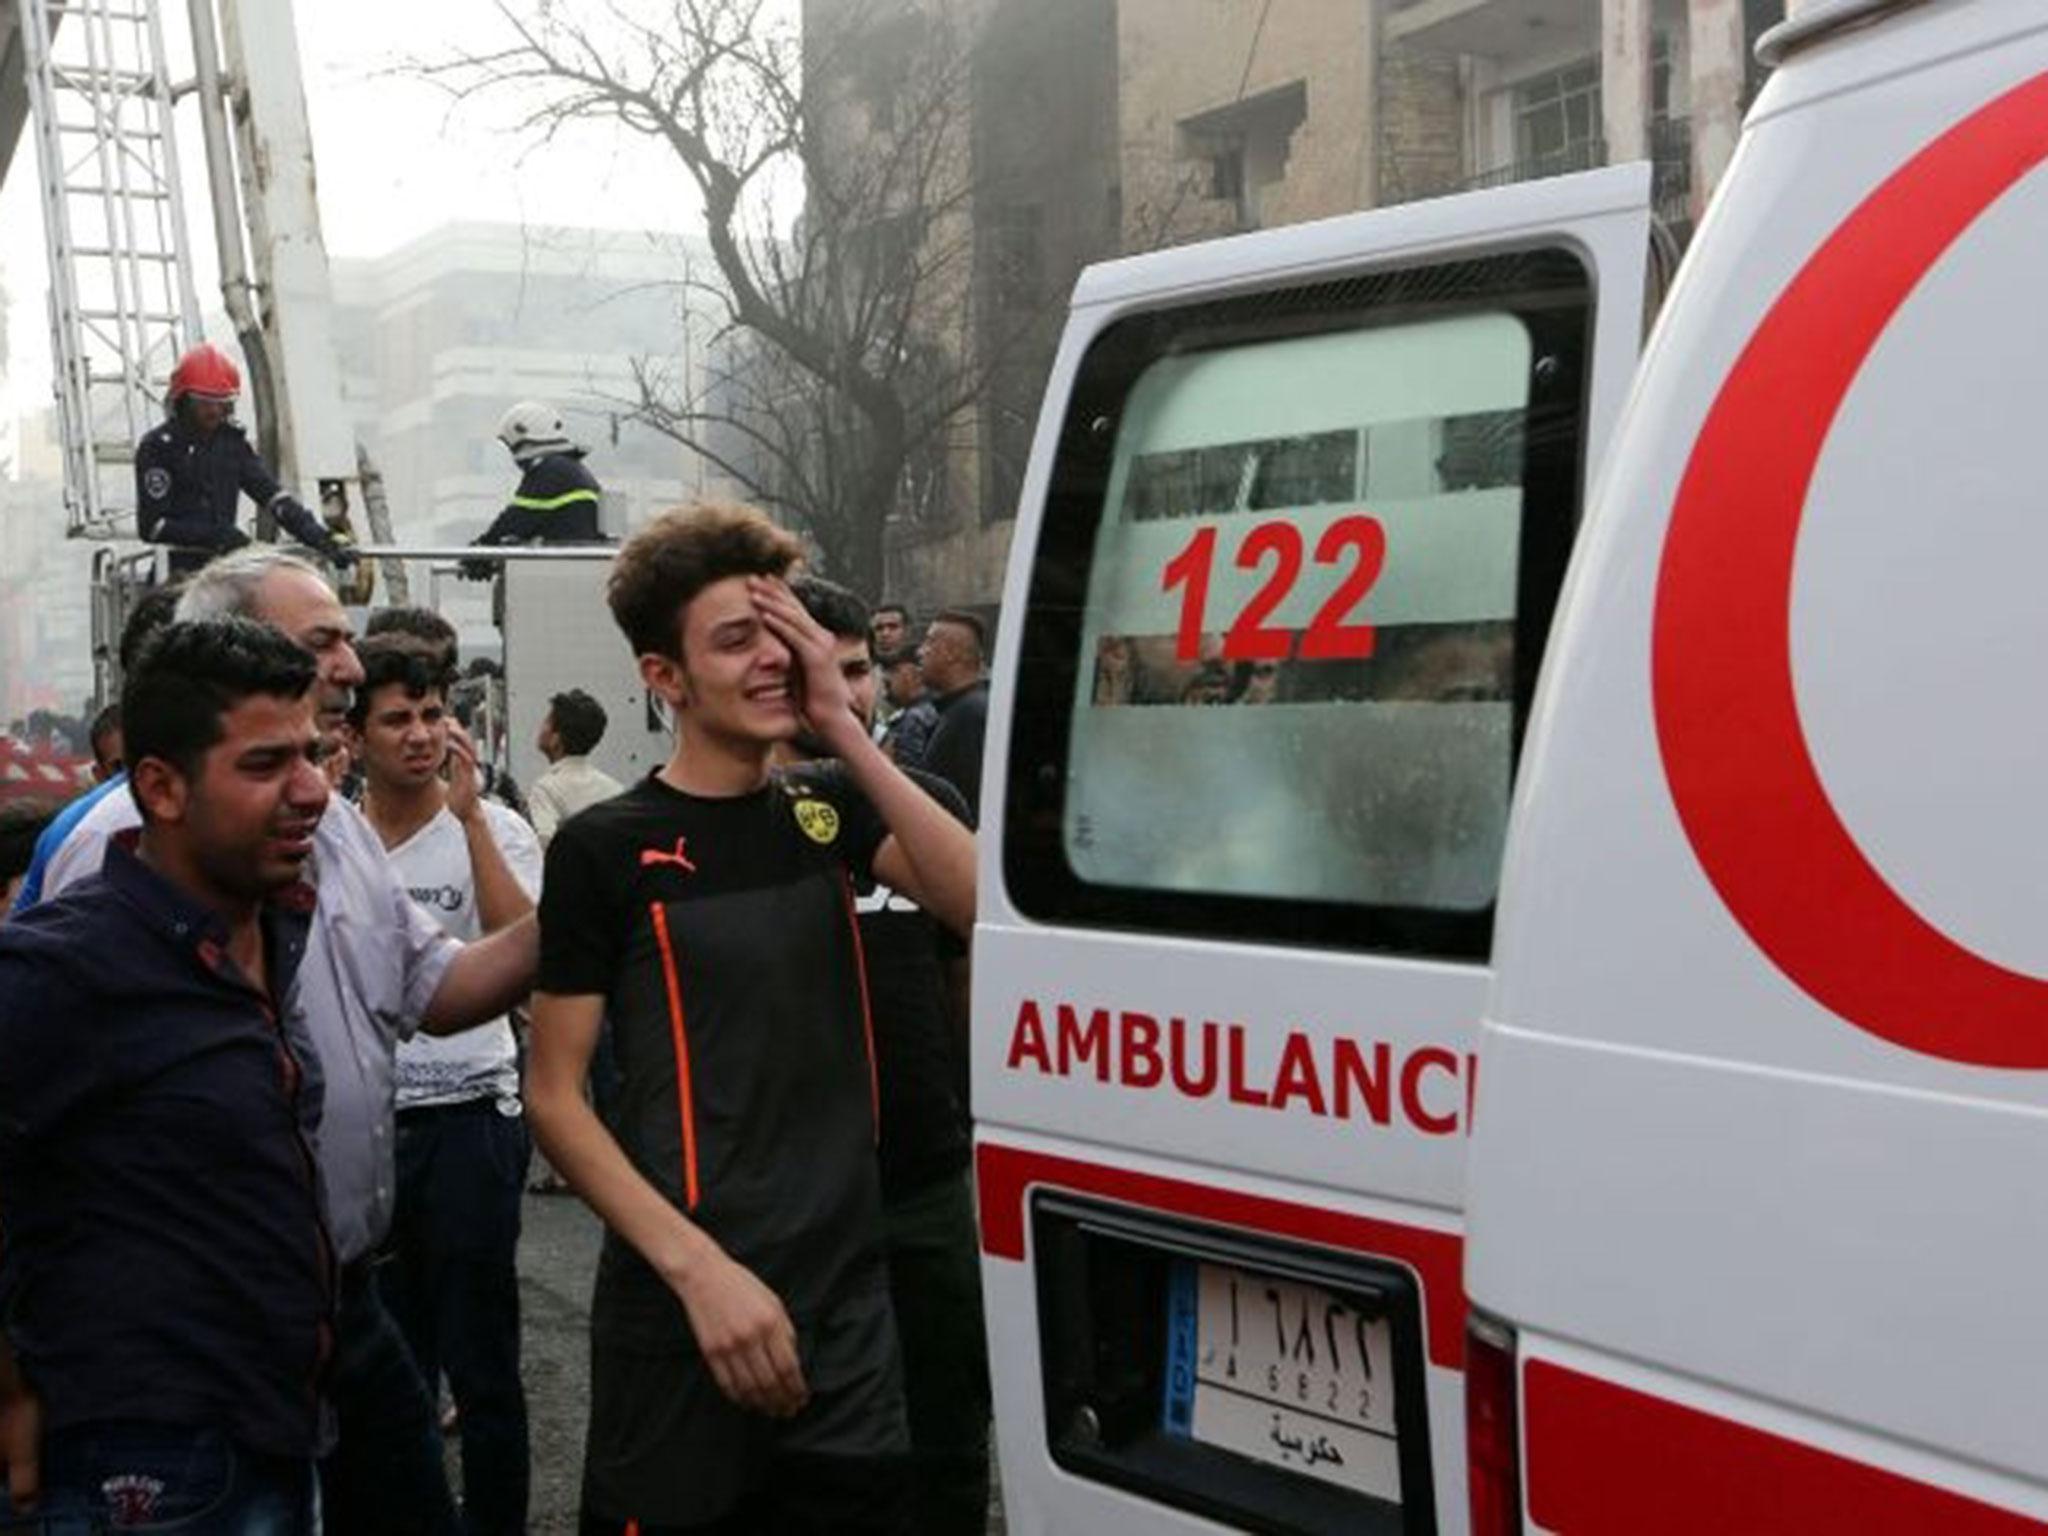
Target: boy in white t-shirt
<point>462,1139</point>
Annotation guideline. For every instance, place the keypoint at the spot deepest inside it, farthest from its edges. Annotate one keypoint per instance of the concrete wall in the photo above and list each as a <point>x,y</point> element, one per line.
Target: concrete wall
<point>1040,177</point>
<point>1421,100</point>
<point>1183,62</point>
<point>1383,118</point>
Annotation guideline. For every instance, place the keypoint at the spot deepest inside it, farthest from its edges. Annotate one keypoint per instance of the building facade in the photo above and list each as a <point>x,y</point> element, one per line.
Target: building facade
<point>1015,191</point>
<point>1110,127</point>
<point>1548,86</point>
<point>1266,114</point>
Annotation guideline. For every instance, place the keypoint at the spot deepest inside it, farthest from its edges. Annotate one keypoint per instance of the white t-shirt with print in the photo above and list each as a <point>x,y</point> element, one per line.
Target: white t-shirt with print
<point>434,864</point>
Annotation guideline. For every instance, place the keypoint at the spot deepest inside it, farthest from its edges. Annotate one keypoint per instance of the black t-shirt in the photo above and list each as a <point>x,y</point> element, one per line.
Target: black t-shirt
<point>721,933</point>
<point>921,1061</point>
<point>954,752</point>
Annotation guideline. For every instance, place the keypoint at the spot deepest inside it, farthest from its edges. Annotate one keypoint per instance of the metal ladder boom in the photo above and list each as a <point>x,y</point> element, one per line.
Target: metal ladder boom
<point>122,304</point>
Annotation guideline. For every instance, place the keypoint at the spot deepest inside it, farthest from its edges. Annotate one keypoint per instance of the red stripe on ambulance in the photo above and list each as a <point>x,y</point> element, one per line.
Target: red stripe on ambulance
<point>1429,1087</point>
<point>1005,1176</point>
<point>1606,1460</point>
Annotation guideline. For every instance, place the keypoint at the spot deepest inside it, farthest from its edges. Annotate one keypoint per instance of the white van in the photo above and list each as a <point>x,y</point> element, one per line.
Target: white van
<point>1295,524</point>
<point>1759,1183</point>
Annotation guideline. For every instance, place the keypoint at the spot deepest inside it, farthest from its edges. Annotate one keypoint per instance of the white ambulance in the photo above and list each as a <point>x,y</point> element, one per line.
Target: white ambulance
<point>1294,531</point>
<point>1759,1183</point>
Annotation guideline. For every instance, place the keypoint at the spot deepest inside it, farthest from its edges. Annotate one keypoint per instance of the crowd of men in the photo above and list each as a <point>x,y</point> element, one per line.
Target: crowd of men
<point>283,1000</point>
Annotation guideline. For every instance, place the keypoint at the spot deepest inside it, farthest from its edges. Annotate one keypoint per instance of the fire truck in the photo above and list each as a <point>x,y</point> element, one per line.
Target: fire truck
<point>87,84</point>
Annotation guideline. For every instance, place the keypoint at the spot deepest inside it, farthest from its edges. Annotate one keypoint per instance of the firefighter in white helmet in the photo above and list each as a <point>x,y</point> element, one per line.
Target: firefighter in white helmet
<point>557,499</point>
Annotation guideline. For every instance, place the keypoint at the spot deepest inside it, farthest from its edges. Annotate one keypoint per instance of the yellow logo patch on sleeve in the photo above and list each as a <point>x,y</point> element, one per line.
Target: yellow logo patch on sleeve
<point>819,820</point>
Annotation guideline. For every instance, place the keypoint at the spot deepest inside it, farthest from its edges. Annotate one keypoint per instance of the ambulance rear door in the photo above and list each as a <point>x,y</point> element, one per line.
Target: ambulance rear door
<point>1298,512</point>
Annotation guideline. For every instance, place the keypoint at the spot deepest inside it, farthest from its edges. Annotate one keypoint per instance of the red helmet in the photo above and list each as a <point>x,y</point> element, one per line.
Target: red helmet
<point>208,372</point>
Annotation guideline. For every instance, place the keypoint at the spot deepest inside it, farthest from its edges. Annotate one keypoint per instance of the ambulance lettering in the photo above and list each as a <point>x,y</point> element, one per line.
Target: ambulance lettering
<point>1427,1088</point>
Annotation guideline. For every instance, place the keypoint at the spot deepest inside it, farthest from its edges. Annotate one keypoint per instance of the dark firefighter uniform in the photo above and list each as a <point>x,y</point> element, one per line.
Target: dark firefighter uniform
<point>556,503</point>
<point>186,487</point>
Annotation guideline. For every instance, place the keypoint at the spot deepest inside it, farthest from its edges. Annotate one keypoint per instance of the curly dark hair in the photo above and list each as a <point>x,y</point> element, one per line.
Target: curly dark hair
<point>681,553</point>
<point>152,611</point>
<point>397,656</point>
<point>424,625</point>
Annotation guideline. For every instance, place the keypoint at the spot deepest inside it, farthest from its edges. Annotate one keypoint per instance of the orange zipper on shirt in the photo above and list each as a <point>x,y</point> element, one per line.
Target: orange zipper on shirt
<point>682,1047</point>
<point>867,1018</point>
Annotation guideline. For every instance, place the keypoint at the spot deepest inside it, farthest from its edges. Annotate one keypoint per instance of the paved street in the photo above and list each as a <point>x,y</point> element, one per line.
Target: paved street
<point>557,1255</point>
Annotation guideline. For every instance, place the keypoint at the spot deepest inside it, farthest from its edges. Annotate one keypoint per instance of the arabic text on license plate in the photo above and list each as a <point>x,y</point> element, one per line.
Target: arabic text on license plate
<point>1282,1372</point>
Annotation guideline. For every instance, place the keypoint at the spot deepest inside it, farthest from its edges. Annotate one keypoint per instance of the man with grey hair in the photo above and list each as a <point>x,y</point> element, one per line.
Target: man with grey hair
<point>376,968</point>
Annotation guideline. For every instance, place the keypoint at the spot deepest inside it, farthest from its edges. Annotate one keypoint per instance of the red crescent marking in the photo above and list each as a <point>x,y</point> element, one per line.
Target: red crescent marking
<point>1746,788</point>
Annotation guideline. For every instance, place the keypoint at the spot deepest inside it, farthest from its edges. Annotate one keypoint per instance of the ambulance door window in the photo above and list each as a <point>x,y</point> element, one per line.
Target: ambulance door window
<point>1299,561</point>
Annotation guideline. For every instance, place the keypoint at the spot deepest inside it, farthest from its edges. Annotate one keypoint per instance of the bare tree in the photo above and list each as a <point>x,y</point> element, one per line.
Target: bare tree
<point>836,175</point>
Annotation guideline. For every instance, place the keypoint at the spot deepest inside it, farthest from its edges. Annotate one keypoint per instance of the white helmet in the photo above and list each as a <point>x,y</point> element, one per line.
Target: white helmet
<point>532,428</point>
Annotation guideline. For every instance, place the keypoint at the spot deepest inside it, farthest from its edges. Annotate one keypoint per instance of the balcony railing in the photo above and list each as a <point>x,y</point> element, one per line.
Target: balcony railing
<point>1586,155</point>
<point>1670,168</point>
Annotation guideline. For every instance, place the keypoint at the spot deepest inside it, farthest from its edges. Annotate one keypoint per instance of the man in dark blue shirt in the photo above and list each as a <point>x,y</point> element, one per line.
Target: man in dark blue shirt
<point>912,967</point>
<point>953,659</point>
<point>166,1278</point>
<point>191,472</point>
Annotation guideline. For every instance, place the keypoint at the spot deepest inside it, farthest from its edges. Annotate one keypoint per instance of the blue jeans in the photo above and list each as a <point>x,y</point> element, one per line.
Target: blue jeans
<point>384,1475</point>
<point>452,1283</point>
<point>124,1474</point>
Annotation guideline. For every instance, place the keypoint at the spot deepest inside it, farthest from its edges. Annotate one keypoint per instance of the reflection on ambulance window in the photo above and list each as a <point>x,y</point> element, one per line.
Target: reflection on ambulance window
<point>1329,527</point>
<point>1417,457</point>
<point>1469,663</point>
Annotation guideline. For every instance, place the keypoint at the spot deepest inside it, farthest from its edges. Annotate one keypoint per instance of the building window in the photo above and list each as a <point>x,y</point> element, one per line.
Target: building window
<point>1557,121</point>
<point>1245,146</point>
<point>880,66</point>
<point>886,251</point>
<point>1226,174</point>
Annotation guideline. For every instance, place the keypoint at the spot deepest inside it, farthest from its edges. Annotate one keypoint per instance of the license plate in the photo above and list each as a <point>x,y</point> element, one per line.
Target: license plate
<point>1282,1372</point>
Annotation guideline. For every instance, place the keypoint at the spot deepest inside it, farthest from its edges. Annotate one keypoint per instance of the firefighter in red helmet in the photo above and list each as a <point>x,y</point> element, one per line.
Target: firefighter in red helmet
<point>190,471</point>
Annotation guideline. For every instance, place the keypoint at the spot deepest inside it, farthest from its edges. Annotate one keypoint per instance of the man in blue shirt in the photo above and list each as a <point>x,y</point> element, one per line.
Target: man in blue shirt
<point>167,1281</point>
<point>192,472</point>
<point>377,966</point>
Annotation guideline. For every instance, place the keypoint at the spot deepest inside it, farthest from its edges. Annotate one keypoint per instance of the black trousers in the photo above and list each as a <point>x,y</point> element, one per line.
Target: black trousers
<point>384,1476</point>
<point>452,1284</point>
<point>935,1284</point>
